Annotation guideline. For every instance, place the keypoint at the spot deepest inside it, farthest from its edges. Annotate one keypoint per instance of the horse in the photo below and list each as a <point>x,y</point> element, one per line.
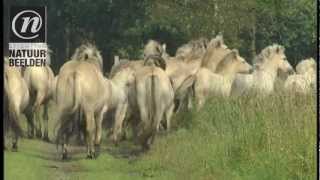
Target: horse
<point>261,81</point>
<point>153,97</point>
<point>81,86</point>
<point>219,83</point>
<point>194,49</point>
<point>16,95</point>
<point>40,83</point>
<point>305,80</point>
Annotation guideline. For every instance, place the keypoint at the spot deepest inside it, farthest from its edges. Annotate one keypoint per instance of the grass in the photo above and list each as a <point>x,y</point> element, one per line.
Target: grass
<point>238,139</point>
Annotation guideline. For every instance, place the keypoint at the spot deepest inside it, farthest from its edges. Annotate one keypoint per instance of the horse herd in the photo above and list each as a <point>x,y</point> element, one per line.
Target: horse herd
<point>144,92</point>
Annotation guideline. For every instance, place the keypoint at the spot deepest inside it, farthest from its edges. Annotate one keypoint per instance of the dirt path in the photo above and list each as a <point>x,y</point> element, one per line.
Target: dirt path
<point>46,157</point>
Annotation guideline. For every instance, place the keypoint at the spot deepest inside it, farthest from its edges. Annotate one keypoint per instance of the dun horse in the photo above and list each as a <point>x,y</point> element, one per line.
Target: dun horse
<point>261,81</point>
<point>154,99</point>
<point>81,86</point>
<point>219,83</point>
<point>40,83</point>
<point>305,80</point>
<point>17,98</point>
<point>118,87</point>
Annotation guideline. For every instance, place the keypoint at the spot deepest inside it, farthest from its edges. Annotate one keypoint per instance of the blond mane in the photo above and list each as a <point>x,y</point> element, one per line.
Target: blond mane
<point>88,52</point>
<point>48,59</point>
<point>152,48</point>
<point>212,45</point>
<point>227,60</point>
<point>267,53</point>
<point>305,65</point>
<point>192,50</point>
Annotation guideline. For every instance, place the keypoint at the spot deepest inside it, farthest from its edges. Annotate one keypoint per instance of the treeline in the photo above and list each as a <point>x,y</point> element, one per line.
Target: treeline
<point>122,27</point>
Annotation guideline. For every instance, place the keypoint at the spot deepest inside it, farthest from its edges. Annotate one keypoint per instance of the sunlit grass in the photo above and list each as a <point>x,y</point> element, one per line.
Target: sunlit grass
<point>239,139</point>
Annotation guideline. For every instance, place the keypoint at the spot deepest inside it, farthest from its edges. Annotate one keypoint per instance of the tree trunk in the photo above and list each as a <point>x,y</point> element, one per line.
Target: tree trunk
<point>67,38</point>
<point>253,37</point>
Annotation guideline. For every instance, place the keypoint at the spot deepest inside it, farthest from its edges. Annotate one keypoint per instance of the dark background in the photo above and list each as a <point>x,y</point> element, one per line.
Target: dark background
<point>122,27</point>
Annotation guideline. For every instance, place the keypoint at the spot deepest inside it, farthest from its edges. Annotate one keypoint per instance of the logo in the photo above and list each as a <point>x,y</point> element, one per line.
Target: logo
<point>28,24</point>
<point>27,46</point>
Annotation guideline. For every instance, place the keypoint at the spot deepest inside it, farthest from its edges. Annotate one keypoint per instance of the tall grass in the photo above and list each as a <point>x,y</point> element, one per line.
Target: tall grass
<point>229,139</point>
<point>245,138</point>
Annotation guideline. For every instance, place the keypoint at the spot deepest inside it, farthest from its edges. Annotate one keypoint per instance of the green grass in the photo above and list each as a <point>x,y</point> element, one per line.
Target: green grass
<point>238,139</point>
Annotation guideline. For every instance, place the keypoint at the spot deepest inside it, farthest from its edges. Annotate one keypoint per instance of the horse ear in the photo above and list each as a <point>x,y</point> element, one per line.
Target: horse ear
<point>279,49</point>
<point>86,56</point>
<point>116,61</point>
<point>235,53</point>
<point>161,63</point>
<point>164,47</point>
<point>219,41</point>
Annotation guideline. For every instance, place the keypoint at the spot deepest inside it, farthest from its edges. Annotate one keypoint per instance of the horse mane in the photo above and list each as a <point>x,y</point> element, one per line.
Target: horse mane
<point>48,59</point>
<point>192,49</point>
<point>155,60</point>
<point>123,63</point>
<point>301,66</point>
<point>211,46</point>
<point>227,60</point>
<point>268,52</point>
<point>152,48</point>
<point>88,52</point>
<point>153,54</point>
<point>6,60</point>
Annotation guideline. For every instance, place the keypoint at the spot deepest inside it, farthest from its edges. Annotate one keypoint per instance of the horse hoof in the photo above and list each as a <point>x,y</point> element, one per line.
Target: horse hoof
<point>116,143</point>
<point>39,136</point>
<point>97,151</point>
<point>46,138</point>
<point>64,156</point>
<point>30,135</point>
<point>90,156</point>
<point>14,147</point>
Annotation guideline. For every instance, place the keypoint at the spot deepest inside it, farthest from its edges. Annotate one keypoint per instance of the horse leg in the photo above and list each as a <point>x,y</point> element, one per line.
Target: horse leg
<point>65,146</point>
<point>15,141</point>
<point>37,106</point>
<point>79,121</point>
<point>168,115</point>
<point>5,117</point>
<point>17,131</point>
<point>118,123</point>
<point>90,127</point>
<point>98,122</point>
<point>189,106</point>
<point>30,119</point>
<point>143,134</point>
<point>63,133</point>
<point>37,122</point>
<point>45,117</point>
<point>200,99</point>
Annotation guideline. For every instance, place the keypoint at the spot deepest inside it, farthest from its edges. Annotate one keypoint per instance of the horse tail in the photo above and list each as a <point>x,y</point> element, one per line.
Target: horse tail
<point>76,92</point>
<point>186,86</point>
<point>154,82</point>
<point>13,110</point>
<point>156,60</point>
<point>14,118</point>
<point>149,127</point>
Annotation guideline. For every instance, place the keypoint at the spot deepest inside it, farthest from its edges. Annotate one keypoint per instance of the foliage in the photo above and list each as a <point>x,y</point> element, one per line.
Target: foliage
<point>122,27</point>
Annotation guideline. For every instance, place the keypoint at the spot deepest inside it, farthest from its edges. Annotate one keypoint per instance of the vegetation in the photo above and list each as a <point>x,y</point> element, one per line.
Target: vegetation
<point>238,139</point>
<point>121,27</point>
<point>246,138</point>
